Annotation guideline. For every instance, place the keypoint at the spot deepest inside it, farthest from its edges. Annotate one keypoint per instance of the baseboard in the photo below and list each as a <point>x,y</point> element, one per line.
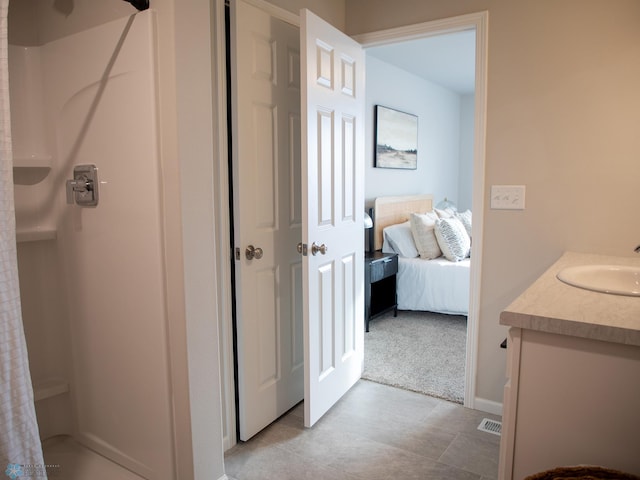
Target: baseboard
<point>488,406</point>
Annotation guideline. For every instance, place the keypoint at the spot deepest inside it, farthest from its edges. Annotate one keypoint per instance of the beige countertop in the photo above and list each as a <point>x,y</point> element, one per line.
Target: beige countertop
<point>552,306</point>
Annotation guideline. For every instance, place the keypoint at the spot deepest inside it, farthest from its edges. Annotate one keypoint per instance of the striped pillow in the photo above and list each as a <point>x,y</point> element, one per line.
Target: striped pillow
<point>452,239</point>
<point>465,218</point>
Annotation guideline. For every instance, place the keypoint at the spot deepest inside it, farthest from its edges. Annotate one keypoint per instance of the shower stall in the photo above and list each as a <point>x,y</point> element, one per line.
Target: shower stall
<point>92,274</point>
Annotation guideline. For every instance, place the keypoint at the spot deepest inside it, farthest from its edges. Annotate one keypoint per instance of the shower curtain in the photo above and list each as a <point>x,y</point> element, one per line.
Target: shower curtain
<point>20,448</point>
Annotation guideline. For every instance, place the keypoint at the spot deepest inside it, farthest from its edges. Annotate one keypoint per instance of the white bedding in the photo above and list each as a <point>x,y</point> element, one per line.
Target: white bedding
<point>437,285</point>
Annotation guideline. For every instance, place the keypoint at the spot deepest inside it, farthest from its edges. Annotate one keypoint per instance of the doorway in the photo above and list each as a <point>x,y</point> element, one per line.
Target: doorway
<point>475,21</point>
<point>433,79</point>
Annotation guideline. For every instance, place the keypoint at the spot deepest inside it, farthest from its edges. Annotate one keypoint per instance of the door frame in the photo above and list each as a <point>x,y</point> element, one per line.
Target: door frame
<point>474,21</point>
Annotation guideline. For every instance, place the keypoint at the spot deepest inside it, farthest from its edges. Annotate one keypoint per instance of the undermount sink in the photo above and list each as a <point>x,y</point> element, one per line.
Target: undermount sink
<point>612,279</point>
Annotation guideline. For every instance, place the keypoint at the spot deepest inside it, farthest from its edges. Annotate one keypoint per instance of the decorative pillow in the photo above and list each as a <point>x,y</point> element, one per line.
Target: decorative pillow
<point>422,226</point>
<point>445,213</point>
<point>400,239</point>
<point>465,218</point>
<point>452,239</point>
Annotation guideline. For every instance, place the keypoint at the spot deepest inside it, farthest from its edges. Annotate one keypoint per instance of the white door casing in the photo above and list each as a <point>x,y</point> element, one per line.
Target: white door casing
<point>267,211</point>
<point>332,212</point>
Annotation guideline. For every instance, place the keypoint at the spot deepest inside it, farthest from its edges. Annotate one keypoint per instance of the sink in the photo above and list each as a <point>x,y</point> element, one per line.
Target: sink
<point>612,279</point>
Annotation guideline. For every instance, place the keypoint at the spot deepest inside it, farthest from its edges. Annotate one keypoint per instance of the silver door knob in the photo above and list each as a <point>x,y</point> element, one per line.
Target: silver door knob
<point>252,252</point>
<point>315,248</point>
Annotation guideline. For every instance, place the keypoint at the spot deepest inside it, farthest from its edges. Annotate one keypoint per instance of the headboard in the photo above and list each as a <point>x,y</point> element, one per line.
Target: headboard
<point>391,210</point>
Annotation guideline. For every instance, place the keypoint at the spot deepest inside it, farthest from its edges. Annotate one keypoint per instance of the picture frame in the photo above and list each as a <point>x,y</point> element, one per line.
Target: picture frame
<point>396,139</point>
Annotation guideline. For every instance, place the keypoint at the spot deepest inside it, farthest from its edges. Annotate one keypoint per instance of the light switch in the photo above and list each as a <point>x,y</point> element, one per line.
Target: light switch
<point>507,197</point>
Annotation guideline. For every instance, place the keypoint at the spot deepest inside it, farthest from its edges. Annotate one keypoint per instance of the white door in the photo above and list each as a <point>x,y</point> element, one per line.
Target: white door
<point>268,215</point>
<point>332,213</point>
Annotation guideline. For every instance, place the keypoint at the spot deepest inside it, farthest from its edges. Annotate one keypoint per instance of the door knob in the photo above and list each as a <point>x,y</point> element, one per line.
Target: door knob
<point>252,252</point>
<point>315,248</point>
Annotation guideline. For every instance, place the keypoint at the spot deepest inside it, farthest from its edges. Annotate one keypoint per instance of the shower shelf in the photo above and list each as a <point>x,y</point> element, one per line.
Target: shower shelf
<point>29,175</point>
<point>36,235</point>
<point>28,160</point>
<point>31,169</point>
<point>49,388</point>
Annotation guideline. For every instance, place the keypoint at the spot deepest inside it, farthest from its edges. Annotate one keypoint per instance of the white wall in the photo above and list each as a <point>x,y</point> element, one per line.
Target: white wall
<point>562,119</point>
<point>439,120</point>
<point>465,174</point>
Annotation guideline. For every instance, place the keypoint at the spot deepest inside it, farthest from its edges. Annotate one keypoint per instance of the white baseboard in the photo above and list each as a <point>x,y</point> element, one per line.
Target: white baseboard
<point>488,406</point>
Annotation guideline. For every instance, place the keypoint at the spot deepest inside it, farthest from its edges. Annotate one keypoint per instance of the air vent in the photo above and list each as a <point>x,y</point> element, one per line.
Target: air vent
<point>490,426</point>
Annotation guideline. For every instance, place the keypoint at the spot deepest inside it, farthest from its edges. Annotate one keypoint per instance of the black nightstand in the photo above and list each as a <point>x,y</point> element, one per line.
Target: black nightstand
<point>379,285</point>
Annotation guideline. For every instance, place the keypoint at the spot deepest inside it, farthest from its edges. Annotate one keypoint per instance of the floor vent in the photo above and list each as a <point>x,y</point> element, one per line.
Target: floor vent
<point>490,426</point>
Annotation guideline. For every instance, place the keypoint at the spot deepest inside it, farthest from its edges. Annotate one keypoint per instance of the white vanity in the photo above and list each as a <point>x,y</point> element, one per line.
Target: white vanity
<point>572,395</point>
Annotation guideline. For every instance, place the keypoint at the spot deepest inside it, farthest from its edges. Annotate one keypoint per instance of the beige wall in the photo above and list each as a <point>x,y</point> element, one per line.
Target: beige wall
<point>563,119</point>
<point>333,11</point>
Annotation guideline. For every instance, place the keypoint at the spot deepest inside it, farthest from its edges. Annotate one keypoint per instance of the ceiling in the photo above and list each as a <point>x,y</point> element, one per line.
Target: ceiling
<point>447,60</point>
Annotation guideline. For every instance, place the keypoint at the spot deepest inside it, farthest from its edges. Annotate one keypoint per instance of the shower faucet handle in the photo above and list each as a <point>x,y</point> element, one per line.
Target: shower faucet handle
<point>83,189</point>
<point>79,185</point>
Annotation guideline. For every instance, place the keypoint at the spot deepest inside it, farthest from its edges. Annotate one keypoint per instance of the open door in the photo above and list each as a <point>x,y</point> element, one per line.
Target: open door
<point>332,107</point>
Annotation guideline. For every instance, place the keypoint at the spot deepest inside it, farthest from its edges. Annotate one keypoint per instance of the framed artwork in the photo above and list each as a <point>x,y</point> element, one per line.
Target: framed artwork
<point>396,139</point>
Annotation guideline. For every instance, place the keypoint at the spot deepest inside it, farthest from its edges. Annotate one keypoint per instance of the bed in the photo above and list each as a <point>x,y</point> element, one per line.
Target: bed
<point>437,285</point>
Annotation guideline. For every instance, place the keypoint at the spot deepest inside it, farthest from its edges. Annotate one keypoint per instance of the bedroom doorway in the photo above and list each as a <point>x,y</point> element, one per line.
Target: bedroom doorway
<point>433,79</point>
<point>478,23</point>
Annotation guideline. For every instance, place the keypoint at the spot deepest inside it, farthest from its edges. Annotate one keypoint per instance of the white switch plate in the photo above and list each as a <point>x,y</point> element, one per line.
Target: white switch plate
<point>507,197</point>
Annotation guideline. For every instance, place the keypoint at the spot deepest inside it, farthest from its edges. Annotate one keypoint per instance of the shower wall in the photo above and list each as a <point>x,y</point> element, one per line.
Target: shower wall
<point>43,297</point>
<point>93,279</point>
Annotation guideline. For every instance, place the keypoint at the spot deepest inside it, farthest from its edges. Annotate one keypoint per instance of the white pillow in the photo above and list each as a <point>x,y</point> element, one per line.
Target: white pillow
<point>400,239</point>
<point>422,226</point>
<point>465,218</point>
<point>453,239</point>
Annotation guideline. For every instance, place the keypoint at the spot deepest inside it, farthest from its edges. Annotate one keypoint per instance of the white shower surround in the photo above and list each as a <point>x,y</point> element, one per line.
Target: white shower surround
<point>99,93</point>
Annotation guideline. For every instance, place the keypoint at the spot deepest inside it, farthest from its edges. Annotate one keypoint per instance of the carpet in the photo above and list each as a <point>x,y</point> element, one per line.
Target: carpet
<point>419,351</point>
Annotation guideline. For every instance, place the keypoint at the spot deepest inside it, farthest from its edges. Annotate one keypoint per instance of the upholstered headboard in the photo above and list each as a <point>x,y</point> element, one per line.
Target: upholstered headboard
<point>391,210</point>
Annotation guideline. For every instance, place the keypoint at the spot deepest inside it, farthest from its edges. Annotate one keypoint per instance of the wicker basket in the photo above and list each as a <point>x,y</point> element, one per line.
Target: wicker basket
<point>582,473</point>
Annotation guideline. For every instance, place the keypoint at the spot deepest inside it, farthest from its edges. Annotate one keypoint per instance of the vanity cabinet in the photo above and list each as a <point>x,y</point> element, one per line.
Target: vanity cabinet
<point>569,401</point>
<point>572,395</point>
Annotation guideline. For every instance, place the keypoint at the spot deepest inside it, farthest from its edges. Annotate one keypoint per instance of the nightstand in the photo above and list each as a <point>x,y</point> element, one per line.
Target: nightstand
<point>380,271</point>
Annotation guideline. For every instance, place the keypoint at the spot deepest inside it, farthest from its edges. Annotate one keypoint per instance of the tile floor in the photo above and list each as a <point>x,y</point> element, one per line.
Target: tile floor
<point>375,432</point>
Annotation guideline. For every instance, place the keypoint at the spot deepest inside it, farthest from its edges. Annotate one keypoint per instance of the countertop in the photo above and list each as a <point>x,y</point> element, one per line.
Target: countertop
<point>552,306</point>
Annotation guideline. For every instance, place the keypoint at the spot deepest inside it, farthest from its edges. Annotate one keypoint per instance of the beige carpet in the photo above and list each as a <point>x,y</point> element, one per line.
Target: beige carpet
<point>418,351</point>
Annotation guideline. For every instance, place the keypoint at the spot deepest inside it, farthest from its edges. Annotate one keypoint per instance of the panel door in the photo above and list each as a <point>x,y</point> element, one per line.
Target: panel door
<point>268,216</point>
<point>333,212</point>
